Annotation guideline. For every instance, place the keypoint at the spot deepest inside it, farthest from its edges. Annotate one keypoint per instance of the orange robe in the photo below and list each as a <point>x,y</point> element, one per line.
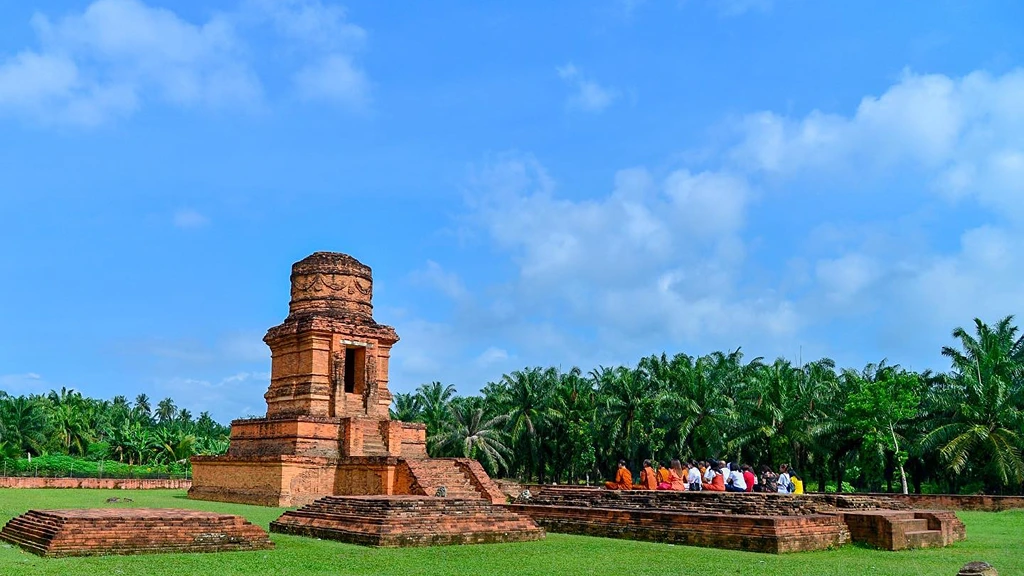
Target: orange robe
<point>648,479</point>
<point>623,480</point>
<point>716,485</point>
<point>664,475</point>
<point>678,482</point>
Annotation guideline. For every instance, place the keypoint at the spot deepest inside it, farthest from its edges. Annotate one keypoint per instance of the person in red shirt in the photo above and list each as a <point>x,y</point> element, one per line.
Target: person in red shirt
<point>749,478</point>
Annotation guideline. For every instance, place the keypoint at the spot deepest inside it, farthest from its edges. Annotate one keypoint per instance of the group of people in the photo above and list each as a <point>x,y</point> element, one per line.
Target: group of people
<point>714,475</point>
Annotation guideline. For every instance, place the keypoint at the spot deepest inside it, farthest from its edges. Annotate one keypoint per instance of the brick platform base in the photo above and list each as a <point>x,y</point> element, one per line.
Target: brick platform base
<point>393,521</point>
<point>774,534</point>
<point>745,521</point>
<point>93,532</point>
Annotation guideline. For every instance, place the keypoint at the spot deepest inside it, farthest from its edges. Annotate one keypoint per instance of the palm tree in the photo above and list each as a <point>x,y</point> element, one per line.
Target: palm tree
<point>435,399</point>
<point>406,408</point>
<point>25,422</point>
<point>980,415</point>
<point>165,410</point>
<point>142,408</point>
<point>629,403</point>
<point>696,397</point>
<point>523,397</point>
<point>471,435</point>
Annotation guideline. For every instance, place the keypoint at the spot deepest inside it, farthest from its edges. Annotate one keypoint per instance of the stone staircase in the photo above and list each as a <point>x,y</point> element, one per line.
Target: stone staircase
<point>373,442</point>
<point>432,473</point>
<point>99,531</point>
<point>391,521</point>
<point>903,530</point>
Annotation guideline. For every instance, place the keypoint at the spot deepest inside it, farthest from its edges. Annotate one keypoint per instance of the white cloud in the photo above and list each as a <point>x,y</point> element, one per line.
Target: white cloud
<point>965,135</point>
<point>448,283</point>
<point>588,95</point>
<point>20,384</point>
<point>335,79</point>
<point>233,396</point>
<point>493,355</point>
<point>654,257</point>
<point>187,218</point>
<point>115,56</point>
<point>102,63</point>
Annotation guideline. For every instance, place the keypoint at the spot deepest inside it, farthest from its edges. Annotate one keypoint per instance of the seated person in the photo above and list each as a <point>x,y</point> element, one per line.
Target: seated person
<point>735,482</point>
<point>664,478</point>
<point>769,480</point>
<point>693,477</point>
<point>677,476</point>
<point>717,482</point>
<point>648,478</point>
<point>623,479</point>
<point>748,476</point>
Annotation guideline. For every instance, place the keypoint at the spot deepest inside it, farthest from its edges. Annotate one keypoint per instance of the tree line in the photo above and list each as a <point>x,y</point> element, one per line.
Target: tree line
<point>880,427</point>
<point>67,423</point>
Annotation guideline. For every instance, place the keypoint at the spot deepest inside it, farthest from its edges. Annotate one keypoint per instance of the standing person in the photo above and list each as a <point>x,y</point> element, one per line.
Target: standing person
<point>736,482</point>
<point>769,480</point>
<point>797,483</point>
<point>623,479</point>
<point>784,484</point>
<point>749,478</point>
<point>693,476</point>
<point>648,478</point>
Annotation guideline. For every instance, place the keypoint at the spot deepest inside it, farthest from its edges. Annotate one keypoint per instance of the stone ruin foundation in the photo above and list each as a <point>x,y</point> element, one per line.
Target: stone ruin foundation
<point>774,523</point>
<point>100,531</point>
<point>328,435</point>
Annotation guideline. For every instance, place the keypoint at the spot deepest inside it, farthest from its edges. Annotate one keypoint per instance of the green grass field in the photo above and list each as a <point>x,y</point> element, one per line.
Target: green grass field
<point>995,537</point>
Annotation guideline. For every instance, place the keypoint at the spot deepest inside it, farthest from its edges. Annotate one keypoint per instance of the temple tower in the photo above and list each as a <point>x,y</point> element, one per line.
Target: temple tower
<point>327,430</point>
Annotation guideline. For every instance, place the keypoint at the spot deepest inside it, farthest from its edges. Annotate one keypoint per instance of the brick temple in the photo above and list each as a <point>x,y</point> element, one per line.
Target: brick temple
<point>327,431</point>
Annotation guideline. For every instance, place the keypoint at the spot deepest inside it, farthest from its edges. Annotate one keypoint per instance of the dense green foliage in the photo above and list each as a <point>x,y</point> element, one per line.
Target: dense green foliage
<point>75,434</point>
<point>961,431</point>
<point>994,537</point>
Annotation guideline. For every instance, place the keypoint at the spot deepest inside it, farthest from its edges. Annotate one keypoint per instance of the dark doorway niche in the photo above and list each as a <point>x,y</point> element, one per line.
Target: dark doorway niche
<point>350,370</point>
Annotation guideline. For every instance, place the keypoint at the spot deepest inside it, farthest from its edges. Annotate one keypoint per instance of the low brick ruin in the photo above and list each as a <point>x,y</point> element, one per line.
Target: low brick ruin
<point>93,532</point>
<point>407,521</point>
<point>775,523</point>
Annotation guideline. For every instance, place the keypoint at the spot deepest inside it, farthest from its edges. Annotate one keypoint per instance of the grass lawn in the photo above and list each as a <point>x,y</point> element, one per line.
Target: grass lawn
<point>994,537</point>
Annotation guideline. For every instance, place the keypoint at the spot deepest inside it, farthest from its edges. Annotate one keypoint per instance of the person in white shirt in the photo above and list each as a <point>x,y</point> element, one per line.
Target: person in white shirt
<point>693,476</point>
<point>735,482</point>
<point>784,481</point>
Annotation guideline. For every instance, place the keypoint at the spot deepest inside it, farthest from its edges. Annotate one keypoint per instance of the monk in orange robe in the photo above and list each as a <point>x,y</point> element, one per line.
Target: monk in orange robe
<point>623,479</point>
<point>665,478</point>
<point>648,478</point>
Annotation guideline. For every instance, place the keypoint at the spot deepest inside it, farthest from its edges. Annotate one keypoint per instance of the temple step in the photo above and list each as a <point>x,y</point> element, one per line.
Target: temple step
<point>131,531</point>
<point>407,521</point>
<point>433,473</point>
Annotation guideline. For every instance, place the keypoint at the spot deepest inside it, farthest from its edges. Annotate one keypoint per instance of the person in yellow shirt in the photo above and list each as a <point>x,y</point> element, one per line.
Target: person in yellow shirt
<point>798,484</point>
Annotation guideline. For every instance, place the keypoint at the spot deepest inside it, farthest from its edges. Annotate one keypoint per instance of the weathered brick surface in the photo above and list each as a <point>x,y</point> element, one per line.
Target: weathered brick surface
<point>744,521</point>
<point>407,521</point>
<point>773,534</point>
<point>327,430</point>
<point>92,532</point>
<point>902,530</point>
<point>95,483</point>
<point>974,502</point>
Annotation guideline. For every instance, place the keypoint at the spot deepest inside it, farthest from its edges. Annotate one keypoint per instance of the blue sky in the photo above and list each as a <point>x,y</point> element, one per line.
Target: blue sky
<point>533,184</point>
